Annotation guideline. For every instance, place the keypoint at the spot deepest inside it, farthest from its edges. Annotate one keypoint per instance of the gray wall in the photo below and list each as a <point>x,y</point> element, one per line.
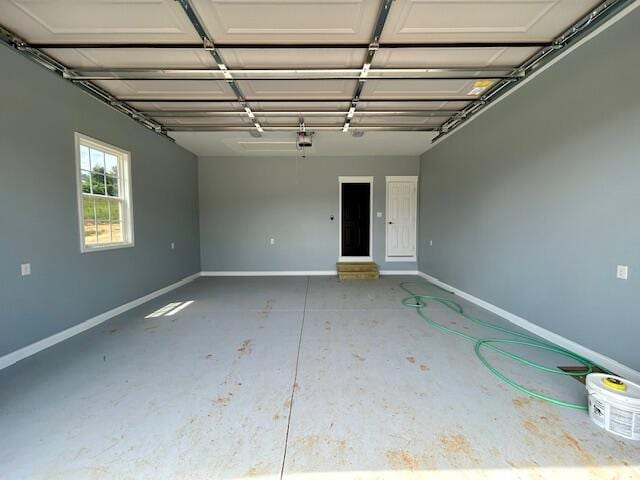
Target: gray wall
<point>533,204</point>
<point>246,201</point>
<point>39,113</point>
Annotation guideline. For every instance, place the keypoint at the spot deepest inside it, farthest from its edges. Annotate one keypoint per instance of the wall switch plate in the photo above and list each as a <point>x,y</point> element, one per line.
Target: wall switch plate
<point>431,243</point>
<point>173,246</point>
<point>272,241</point>
<point>622,272</point>
<point>379,214</point>
<point>25,269</point>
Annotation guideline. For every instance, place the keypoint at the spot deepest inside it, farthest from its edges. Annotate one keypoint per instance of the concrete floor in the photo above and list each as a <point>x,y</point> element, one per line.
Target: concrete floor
<point>294,377</point>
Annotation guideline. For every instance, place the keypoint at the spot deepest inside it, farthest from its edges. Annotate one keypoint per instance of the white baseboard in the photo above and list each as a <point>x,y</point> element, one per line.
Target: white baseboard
<point>602,360</point>
<point>274,273</point>
<point>295,273</point>
<point>13,357</point>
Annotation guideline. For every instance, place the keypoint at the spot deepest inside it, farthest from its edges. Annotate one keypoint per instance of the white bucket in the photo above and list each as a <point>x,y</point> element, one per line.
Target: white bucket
<point>614,404</point>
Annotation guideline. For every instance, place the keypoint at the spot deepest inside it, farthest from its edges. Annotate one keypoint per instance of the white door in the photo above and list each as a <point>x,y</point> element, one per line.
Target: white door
<point>401,218</point>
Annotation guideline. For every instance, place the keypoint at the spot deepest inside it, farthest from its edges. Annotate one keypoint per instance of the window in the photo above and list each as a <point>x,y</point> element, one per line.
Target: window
<point>104,195</point>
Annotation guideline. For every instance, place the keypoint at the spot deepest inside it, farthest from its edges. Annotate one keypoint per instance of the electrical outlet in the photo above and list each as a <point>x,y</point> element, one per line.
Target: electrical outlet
<point>272,241</point>
<point>173,246</point>
<point>622,272</point>
<point>25,269</point>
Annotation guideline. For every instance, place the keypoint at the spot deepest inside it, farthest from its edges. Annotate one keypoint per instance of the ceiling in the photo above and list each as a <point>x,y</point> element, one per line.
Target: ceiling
<point>213,71</point>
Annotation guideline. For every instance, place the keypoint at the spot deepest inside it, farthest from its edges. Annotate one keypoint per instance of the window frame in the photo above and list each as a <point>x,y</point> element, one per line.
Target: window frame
<point>124,191</point>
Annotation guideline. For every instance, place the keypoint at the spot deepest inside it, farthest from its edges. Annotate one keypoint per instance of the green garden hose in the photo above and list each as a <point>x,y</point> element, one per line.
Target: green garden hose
<point>419,302</point>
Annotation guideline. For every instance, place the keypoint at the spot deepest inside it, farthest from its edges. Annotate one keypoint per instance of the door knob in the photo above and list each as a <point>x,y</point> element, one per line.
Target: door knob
<point>390,223</point>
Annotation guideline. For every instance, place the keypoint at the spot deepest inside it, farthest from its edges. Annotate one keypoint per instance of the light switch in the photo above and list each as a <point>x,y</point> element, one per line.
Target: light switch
<point>173,246</point>
<point>379,214</point>
<point>25,269</point>
<point>272,241</point>
<point>622,272</point>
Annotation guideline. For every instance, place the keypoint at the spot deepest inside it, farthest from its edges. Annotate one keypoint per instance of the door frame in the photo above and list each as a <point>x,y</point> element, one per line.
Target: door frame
<point>368,180</point>
<point>413,258</point>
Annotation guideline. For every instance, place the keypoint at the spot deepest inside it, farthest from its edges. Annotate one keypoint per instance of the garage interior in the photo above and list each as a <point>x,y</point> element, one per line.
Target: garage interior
<point>304,239</point>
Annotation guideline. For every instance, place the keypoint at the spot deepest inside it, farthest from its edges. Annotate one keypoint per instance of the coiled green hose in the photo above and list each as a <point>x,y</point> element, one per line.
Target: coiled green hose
<point>419,302</point>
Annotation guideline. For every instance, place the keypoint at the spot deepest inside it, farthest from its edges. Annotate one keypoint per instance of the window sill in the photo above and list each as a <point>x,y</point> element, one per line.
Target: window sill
<point>106,247</point>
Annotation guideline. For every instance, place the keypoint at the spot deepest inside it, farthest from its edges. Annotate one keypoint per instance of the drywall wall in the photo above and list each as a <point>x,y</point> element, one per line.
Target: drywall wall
<point>246,201</point>
<point>39,114</point>
<point>532,205</point>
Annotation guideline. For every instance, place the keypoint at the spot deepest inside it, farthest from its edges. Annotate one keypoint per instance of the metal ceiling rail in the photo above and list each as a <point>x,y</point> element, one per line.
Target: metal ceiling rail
<point>372,48</point>
<point>283,78</point>
<point>295,113</point>
<point>294,46</point>
<point>585,25</point>
<point>293,71</point>
<point>15,42</point>
<point>296,127</point>
<point>287,73</point>
<point>207,44</point>
<point>295,100</point>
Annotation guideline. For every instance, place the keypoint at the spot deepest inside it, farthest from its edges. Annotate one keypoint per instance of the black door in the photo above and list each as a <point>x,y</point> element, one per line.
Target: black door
<point>355,219</point>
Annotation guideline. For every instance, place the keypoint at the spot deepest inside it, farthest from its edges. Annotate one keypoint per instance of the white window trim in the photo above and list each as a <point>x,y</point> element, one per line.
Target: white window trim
<point>127,212</point>
<point>405,258</point>
<point>368,180</point>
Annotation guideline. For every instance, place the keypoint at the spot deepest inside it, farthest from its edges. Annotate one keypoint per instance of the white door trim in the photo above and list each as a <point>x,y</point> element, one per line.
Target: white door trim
<point>368,180</point>
<point>413,179</point>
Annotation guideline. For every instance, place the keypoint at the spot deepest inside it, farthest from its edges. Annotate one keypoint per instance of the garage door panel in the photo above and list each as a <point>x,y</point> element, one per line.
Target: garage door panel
<point>418,89</point>
<point>310,122</point>
<point>481,20</point>
<point>293,58</point>
<point>397,121</point>
<point>447,57</point>
<point>300,106</point>
<point>417,105</point>
<point>133,57</point>
<point>158,89</point>
<point>298,88</point>
<point>192,106</point>
<point>238,120</point>
<point>83,21</point>
<point>288,21</point>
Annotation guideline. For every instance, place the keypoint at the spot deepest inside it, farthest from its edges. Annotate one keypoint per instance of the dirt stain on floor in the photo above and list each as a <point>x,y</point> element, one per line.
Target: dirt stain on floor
<point>521,402</point>
<point>246,348</point>
<point>309,442</point>
<point>424,367</point>
<point>585,457</point>
<point>530,426</point>
<point>457,448</point>
<point>401,459</point>
<point>358,357</point>
<point>224,400</point>
<point>266,311</point>
<point>259,469</point>
<point>411,359</point>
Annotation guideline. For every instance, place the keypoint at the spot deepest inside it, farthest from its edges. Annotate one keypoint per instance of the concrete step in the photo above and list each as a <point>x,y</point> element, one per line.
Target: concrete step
<point>358,275</point>
<point>356,267</point>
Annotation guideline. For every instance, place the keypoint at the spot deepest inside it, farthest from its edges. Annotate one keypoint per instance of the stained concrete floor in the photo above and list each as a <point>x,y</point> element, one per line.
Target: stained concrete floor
<point>296,378</point>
